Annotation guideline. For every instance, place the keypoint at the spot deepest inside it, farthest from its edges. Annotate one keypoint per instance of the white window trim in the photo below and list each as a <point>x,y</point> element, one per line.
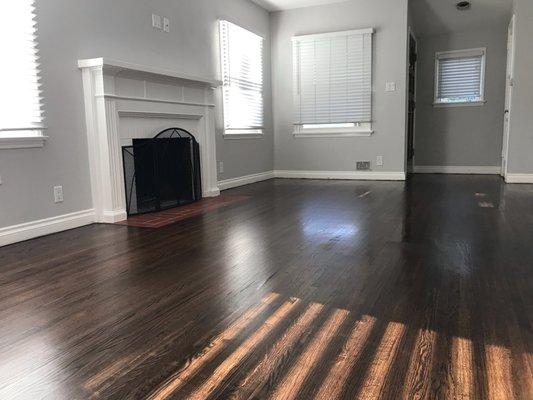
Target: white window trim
<point>453,54</point>
<point>238,133</point>
<point>360,129</point>
<point>22,142</point>
<point>332,34</point>
<point>243,134</point>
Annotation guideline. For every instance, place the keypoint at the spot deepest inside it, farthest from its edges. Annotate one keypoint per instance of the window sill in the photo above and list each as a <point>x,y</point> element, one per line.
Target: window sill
<point>465,104</point>
<point>23,142</point>
<point>325,134</point>
<point>243,134</point>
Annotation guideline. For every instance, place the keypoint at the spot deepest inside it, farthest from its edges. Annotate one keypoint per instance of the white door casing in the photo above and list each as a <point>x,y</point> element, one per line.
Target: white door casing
<point>509,82</point>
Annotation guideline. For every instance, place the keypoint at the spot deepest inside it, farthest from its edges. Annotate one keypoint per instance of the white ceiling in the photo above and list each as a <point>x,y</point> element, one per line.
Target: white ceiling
<point>278,5</point>
<point>440,16</point>
<point>430,16</point>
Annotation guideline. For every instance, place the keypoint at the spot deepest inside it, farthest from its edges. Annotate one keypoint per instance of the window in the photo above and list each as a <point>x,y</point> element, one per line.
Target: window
<point>242,76</point>
<point>20,101</point>
<point>333,83</point>
<point>460,77</point>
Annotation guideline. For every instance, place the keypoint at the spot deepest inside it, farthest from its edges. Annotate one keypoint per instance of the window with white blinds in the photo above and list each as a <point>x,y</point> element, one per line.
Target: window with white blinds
<point>242,76</point>
<point>460,76</point>
<point>20,99</point>
<point>333,79</point>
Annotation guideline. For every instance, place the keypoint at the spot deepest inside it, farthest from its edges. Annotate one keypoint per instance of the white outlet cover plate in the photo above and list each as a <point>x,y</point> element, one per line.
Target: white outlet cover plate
<point>166,24</point>
<point>58,194</point>
<point>390,86</point>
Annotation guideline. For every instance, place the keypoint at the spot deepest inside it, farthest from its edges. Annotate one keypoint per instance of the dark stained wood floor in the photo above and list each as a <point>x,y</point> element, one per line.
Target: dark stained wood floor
<point>309,289</point>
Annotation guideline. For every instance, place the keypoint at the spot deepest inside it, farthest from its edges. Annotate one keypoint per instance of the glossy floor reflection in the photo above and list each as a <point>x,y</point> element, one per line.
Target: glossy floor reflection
<point>309,289</point>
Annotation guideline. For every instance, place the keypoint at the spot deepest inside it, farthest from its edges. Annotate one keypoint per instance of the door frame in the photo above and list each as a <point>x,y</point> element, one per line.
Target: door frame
<point>509,82</point>
<point>411,34</point>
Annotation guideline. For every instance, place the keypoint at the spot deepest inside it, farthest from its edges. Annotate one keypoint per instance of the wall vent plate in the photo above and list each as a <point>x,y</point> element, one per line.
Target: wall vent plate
<point>363,165</point>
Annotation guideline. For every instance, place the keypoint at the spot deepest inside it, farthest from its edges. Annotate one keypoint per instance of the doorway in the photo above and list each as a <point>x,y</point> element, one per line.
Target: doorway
<point>509,82</point>
<point>411,103</point>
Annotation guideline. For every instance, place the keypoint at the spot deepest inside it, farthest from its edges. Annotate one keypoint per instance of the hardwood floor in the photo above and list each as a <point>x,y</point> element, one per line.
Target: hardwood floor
<point>308,289</point>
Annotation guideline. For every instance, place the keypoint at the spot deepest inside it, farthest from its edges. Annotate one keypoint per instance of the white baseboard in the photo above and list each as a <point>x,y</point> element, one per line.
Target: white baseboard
<point>350,175</point>
<point>447,169</point>
<point>519,178</point>
<point>33,229</point>
<point>245,180</point>
<point>110,217</point>
<point>213,192</point>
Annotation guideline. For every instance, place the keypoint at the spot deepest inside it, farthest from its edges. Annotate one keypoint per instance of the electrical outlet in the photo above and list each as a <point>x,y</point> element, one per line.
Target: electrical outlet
<point>156,21</point>
<point>390,86</point>
<point>363,165</point>
<point>166,24</point>
<point>1,179</point>
<point>58,194</point>
<point>379,161</point>
<point>221,167</point>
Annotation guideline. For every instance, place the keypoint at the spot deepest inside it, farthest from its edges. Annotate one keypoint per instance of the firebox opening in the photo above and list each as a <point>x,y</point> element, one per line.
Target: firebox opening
<point>162,172</point>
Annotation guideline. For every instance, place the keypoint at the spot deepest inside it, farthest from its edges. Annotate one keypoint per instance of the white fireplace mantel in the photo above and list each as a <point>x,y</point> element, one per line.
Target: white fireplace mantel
<point>124,101</point>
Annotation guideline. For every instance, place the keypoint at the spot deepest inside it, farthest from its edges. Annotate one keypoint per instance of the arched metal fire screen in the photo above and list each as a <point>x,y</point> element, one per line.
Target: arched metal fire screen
<point>162,172</point>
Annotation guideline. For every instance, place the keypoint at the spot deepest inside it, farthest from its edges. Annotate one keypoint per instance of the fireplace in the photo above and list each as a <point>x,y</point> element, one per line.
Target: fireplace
<point>162,172</point>
<point>126,104</point>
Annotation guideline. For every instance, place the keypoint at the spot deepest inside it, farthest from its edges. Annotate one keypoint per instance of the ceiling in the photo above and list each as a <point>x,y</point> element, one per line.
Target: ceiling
<point>278,5</point>
<point>430,16</point>
<point>441,16</point>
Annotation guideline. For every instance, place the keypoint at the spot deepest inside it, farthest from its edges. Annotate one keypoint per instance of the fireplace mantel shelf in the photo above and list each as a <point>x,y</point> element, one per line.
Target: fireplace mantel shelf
<point>116,66</point>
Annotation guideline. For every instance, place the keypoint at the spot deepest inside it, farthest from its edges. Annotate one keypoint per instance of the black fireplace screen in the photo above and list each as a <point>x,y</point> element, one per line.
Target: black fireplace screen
<point>162,172</point>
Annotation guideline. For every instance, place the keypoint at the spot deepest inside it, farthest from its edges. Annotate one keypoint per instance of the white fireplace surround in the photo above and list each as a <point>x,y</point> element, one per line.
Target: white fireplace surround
<point>124,101</point>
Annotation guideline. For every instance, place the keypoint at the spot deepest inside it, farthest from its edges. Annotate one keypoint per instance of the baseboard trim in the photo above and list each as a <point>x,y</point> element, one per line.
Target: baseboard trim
<point>519,178</point>
<point>33,229</point>
<point>245,180</point>
<point>213,192</point>
<point>110,217</point>
<point>447,169</point>
<point>346,175</point>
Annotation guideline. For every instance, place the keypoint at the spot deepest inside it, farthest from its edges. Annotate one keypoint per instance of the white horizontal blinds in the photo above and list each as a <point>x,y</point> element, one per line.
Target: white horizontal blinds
<point>333,78</point>
<point>20,101</point>
<point>242,69</point>
<point>460,76</point>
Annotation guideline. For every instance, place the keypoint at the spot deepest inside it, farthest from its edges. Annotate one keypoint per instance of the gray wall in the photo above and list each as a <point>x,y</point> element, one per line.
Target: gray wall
<point>73,29</point>
<point>389,19</point>
<point>521,128</point>
<point>461,136</point>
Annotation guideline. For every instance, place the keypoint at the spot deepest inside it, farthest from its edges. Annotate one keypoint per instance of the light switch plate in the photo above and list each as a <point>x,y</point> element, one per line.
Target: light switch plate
<point>156,21</point>
<point>166,24</point>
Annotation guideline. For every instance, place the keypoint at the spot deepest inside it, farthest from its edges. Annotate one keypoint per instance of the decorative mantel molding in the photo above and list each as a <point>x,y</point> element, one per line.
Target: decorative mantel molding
<point>137,95</point>
<point>113,67</point>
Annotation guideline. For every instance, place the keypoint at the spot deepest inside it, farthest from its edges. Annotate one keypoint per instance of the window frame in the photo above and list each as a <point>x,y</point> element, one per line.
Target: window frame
<point>240,133</point>
<point>463,53</point>
<point>357,129</point>
<point>18,137</point>
<point>337,129</point>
